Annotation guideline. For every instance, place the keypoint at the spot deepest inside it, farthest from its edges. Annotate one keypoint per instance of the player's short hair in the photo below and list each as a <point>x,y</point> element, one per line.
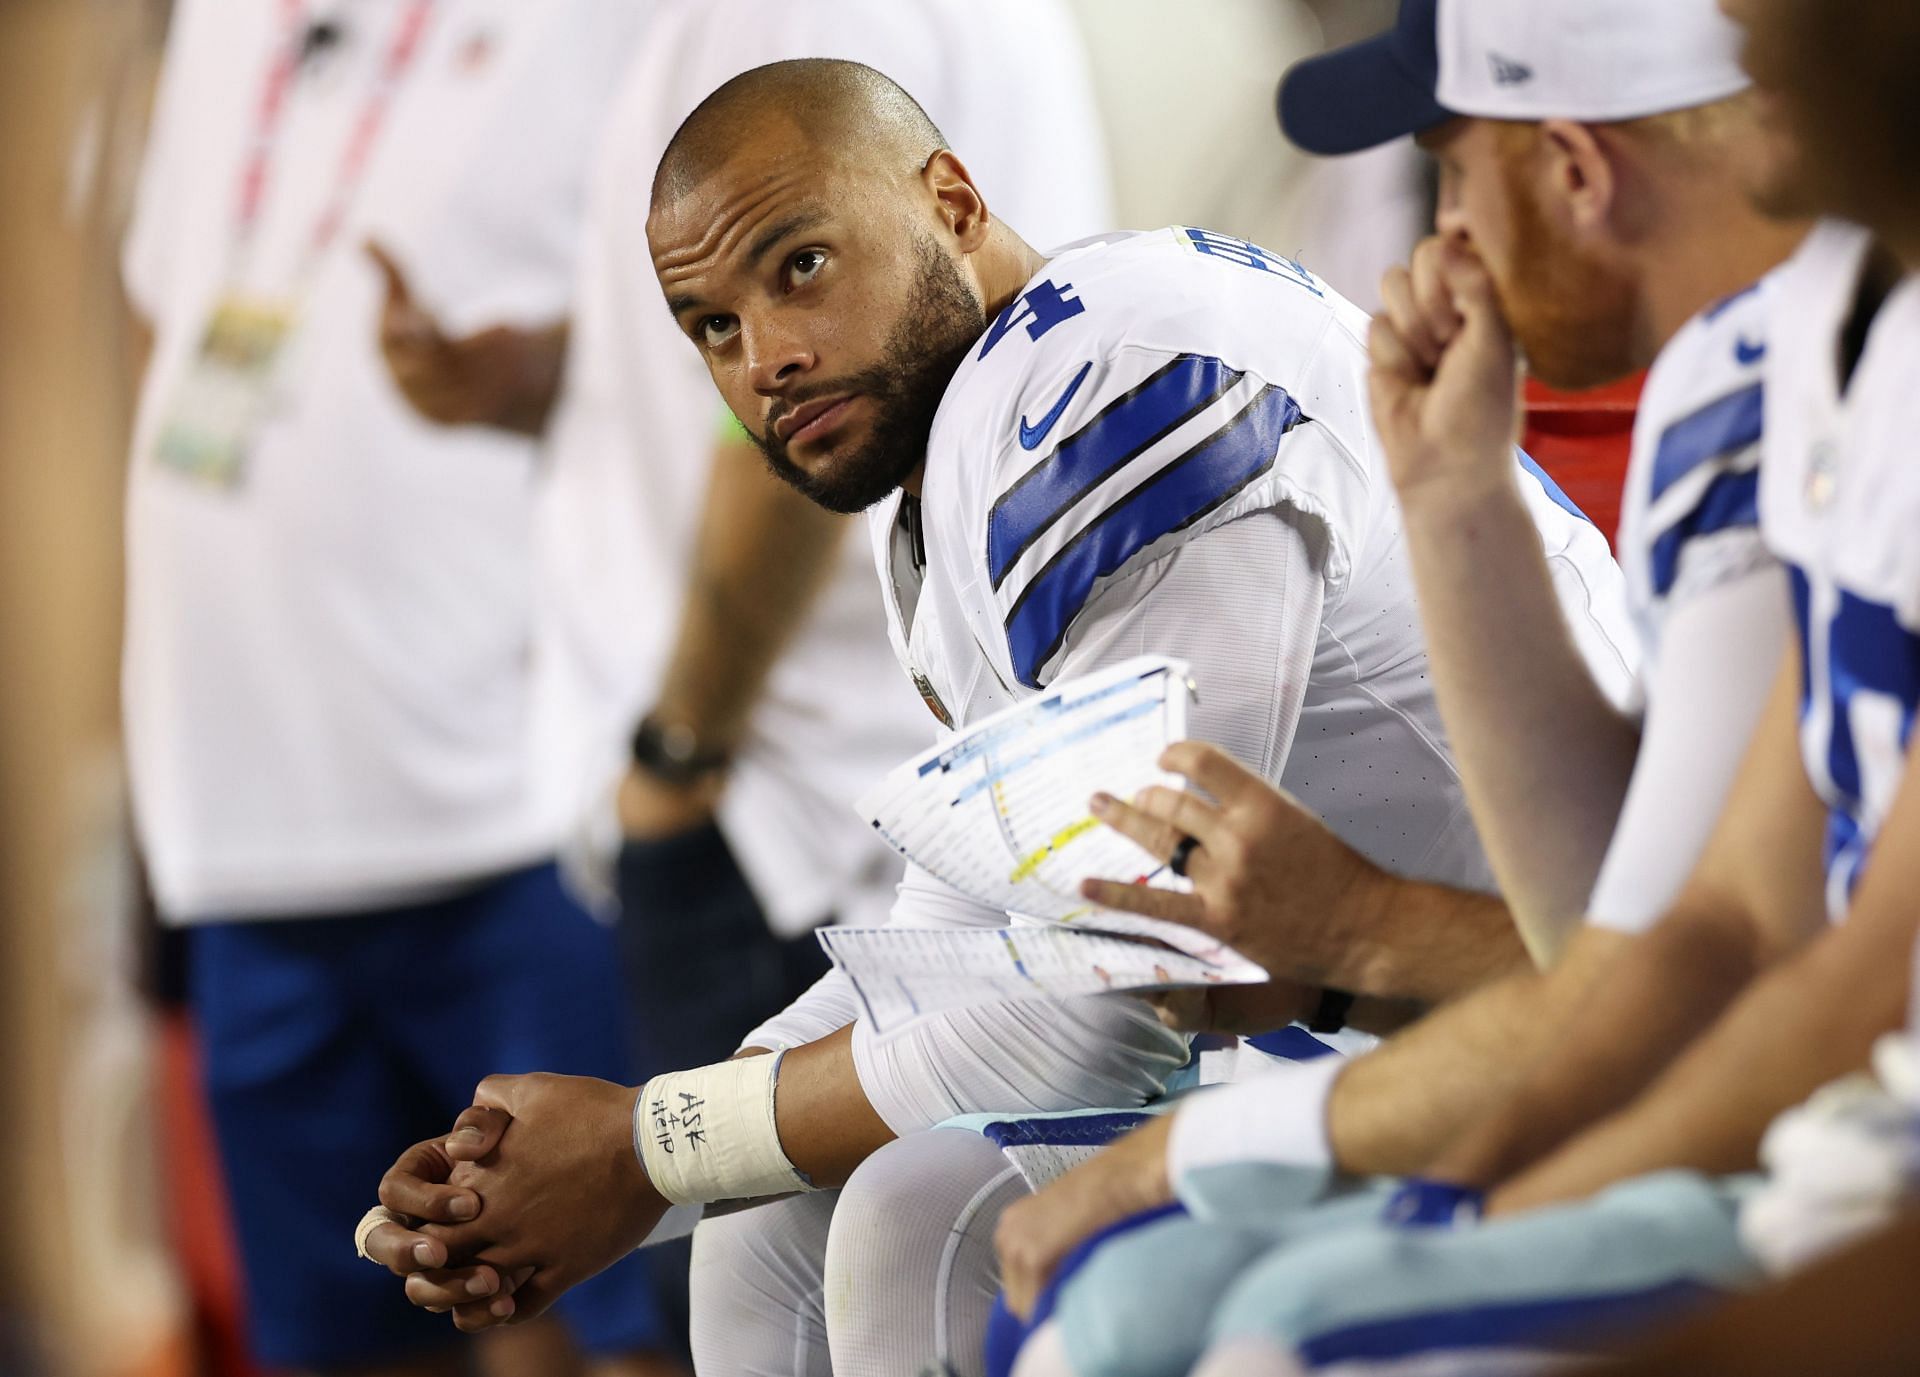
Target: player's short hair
<point>1699,131</point>
<point>827,98</point>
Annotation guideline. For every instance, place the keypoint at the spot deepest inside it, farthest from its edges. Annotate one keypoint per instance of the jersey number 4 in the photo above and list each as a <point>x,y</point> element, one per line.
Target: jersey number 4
<point>1039,310</point>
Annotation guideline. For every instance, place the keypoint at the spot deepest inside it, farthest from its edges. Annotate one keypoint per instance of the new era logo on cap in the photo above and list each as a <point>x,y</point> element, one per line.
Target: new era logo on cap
<point>1507,72</point>
<point>1596,62</point>
<point>1590,60</point>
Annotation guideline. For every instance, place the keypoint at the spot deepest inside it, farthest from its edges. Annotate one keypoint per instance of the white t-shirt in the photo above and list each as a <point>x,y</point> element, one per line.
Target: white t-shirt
<point>631,445</point>
<point>1840,506</point>
<point>325,674</point>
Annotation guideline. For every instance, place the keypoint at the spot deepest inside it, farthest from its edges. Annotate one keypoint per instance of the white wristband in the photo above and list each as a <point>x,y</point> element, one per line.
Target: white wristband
<point>1280,1117</point>
<point>708,1134</point>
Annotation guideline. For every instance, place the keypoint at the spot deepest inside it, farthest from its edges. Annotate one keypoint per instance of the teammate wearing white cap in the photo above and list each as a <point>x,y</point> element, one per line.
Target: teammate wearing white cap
<point>1593,174</point>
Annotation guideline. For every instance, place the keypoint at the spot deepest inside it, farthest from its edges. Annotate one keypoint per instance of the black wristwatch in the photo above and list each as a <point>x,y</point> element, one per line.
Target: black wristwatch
<point>671,753</point>
<point>1330,1016</point>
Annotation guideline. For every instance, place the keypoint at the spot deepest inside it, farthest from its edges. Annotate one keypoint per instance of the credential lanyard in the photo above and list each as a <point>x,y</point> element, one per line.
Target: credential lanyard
<point>270,118</point>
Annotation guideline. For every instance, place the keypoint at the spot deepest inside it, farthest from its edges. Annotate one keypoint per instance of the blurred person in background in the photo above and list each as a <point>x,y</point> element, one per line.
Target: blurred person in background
<point>326,677</point>
<point>1173,80</point>
<point>706,636</point>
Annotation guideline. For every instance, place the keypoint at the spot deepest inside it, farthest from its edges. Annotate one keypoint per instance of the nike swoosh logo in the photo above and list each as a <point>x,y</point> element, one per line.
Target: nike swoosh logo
<point>1031,435</point>
<point>1747,353</point>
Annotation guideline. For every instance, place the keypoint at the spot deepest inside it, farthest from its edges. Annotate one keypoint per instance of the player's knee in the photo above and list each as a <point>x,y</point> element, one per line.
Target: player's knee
<point>770,1253</point>
<point>914,1225</point>
<point>1138,1307</point>
<point>1295,1294</point>
<point>1044,1354</point>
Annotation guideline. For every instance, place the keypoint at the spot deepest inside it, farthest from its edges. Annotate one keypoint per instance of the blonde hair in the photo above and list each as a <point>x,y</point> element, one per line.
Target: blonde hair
<point>1699,131</point>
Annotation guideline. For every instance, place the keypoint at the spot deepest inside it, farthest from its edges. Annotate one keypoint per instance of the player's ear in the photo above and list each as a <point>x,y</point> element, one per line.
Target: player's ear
<point>959,201</point>
<point>1579,174</point>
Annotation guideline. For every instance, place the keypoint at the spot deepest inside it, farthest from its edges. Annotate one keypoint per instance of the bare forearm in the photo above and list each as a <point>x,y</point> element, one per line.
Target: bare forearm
<point>826,1124</point>
<point>1649,1002</point>
<point>764,553</point>
<point>1393,1111</point>
<point>1544,757</point>
<point>527,404</point>
<point>1420,942</point>
<point>1808,1021</point>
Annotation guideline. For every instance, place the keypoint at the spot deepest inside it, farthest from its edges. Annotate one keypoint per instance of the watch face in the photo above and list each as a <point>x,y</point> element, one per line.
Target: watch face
<point>678,743</point>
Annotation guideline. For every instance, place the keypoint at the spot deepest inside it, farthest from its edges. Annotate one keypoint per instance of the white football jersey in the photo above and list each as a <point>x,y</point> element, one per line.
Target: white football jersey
<point>1840,504</point>
<point>1708,600</point>
<point>1144,391</point>
<point>1689,516</point>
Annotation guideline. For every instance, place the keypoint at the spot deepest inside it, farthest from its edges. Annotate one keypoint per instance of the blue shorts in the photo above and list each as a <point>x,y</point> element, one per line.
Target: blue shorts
<point>331,1044</point>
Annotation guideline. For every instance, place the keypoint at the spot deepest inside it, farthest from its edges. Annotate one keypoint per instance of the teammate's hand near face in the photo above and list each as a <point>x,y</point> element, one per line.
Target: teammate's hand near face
<point>1444,382</point>
<point>1269,879</point>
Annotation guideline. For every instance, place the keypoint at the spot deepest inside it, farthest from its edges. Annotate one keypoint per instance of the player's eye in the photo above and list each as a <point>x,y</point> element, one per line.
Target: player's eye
<point>714,331</point>
<point>803,265</point>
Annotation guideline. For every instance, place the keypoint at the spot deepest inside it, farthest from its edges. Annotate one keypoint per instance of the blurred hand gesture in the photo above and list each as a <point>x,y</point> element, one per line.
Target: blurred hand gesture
<point>502,376</point>
<point>1444,382</point>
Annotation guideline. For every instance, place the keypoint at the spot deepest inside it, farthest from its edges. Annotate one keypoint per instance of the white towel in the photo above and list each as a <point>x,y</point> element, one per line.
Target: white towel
<point>1840,1165</point>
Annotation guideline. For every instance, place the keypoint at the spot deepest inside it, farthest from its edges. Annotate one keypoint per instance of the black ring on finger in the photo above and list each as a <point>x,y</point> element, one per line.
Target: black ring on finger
<point>1182,853</point>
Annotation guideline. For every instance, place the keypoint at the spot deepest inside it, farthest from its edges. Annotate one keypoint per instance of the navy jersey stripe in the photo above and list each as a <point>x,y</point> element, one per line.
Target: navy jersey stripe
<point>1124,428</point>
<point>1720,427</point>
<point>1732,499</point>
<point>1202,479</point>
<point>1553,1323</point>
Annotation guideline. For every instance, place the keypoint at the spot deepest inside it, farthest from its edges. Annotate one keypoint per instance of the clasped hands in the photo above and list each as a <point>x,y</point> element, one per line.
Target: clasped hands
<point>535,1189</point>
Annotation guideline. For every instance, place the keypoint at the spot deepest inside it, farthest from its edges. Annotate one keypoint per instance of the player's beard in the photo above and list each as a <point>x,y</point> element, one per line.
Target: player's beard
<point>1572,314</point>
<point>925,348</point>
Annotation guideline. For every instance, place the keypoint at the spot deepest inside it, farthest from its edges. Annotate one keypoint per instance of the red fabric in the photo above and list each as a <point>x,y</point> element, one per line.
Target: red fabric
<point>197,1207</point>
<point>1582,440</point>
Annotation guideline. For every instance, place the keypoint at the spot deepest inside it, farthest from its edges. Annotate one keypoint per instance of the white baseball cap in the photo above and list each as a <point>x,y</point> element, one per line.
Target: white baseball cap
<point>1590,60</point>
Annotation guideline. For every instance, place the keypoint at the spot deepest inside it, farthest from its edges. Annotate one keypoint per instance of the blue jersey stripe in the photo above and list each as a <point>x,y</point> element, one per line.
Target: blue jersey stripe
<point>1292,1043</point>
<point>1207,475</point>
<point>1070,1130</point>
<point>1870,651</point>
<point>1718,428</point>
<point>1569,1322</point>
<point>1553,489</point>
<point>1123,429</point>
<point>1732,499</point>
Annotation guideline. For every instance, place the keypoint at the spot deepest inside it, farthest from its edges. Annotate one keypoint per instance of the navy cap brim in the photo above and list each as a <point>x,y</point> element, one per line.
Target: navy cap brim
<point>1356,98</point>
